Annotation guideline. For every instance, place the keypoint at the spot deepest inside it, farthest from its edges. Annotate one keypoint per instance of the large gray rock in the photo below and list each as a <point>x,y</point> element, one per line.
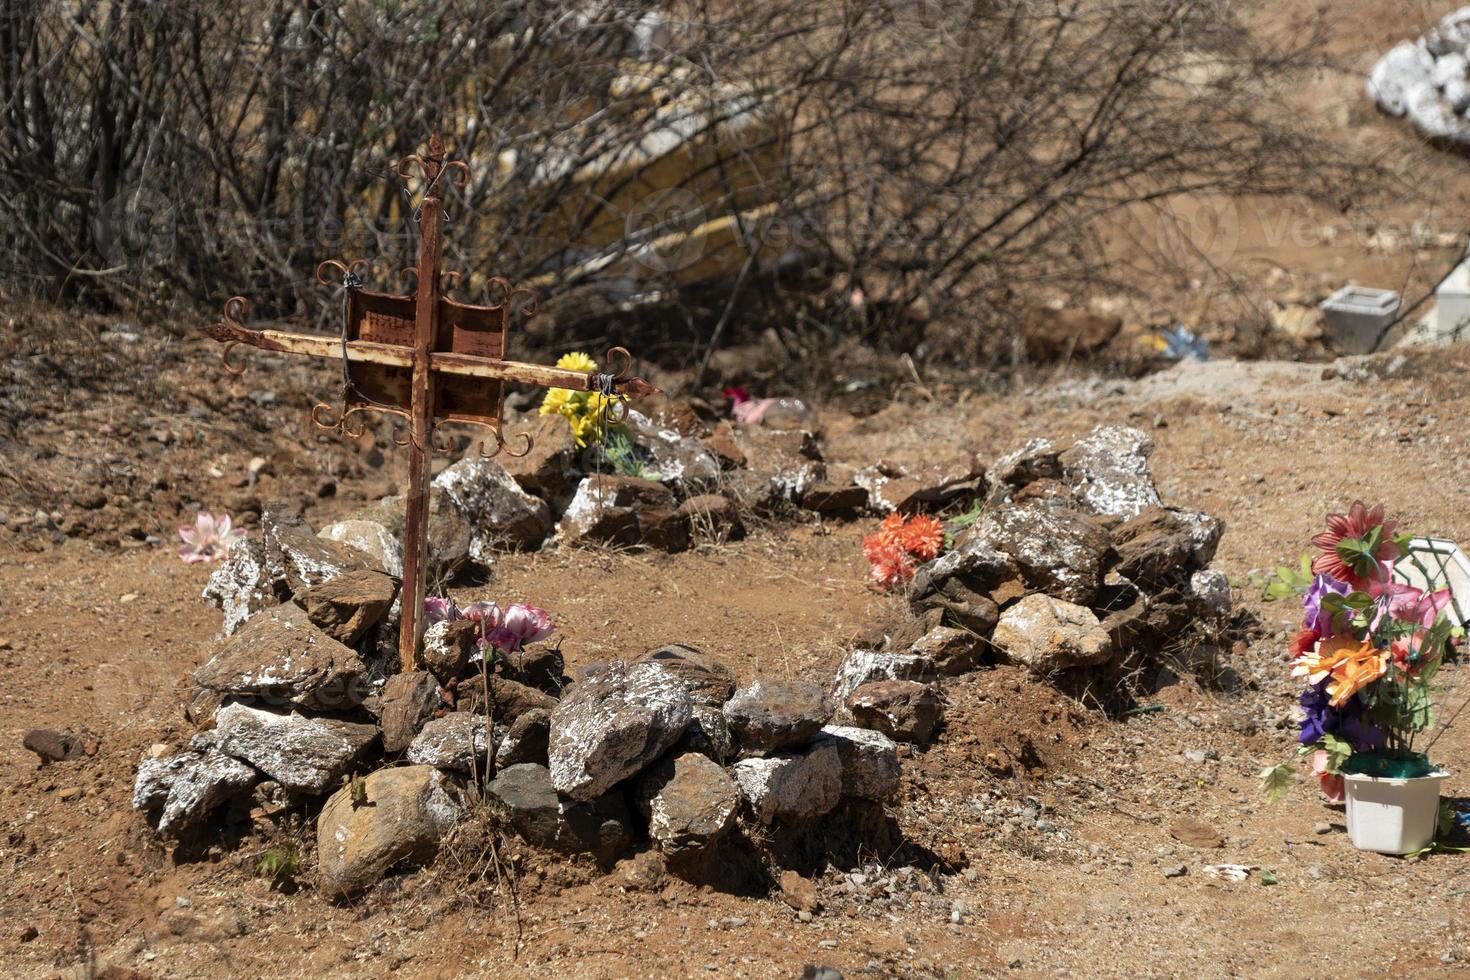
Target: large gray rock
<point>185,788</point>
<point>500,514</point>
<point>528,740</point>
<point>455,743</point>
<point>869,761</point>
<point>964,584</point>
<point>449,535</point>
<point>865,666</point>
<point>397,815</point>
<point>669,456</point>
<point>1048,635</point>
<point>709,681</point>
<point>791,785</point>
<point>690,803</point>
<point>1108,469</point>
<point>612,723</point>
<point>708,734</point>
<point>625,510</point>
<point>1057,550</point>
<point>280,657</point>
<point>767,715</point>
<point>296,555</point>
<point>525,798</point>
<point>243,585</point>
<point>373,537</point>
<point>347,606</point>
<point>304,755</point>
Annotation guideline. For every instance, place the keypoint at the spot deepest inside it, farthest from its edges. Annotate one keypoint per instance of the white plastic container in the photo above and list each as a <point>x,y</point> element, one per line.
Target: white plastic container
<point>1355,316</point>
<point>1392,816</point>
<point>1451,320</point>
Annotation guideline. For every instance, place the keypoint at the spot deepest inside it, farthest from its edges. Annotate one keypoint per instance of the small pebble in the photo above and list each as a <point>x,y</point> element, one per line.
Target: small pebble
<point>1176,871</point>
<point>828,944</point>
<point>1322,827</point>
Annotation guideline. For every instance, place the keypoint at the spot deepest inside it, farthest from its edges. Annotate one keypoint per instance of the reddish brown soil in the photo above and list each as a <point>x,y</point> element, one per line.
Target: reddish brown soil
<point>95,642</point>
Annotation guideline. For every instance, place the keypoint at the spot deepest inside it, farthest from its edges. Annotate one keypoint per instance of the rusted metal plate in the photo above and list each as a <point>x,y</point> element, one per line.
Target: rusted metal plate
<point>380,317</point>
<point>474,330</point>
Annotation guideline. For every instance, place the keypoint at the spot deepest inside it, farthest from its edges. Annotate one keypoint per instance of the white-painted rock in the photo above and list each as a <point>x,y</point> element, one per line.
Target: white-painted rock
<point>612,723</point>
<point>865,666</point>
<point>242,585</point>
<point>304,755</point>
<point>372,537</point>
<point>455,743</point>
<point>1048,635</point>
<point>280,655</point>
<point>791,785</point>
<point>869,761</point>
<point>1056,549</point>
<point>1211,589</point>
<point>671,457</point>
<point>185,788</point>
<point>1108,469</point>
<point>500,514</point>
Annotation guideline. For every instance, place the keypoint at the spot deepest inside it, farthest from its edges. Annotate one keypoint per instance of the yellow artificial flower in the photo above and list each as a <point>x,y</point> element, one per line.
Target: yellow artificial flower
<point>555,401</point>
<point>576,361</point>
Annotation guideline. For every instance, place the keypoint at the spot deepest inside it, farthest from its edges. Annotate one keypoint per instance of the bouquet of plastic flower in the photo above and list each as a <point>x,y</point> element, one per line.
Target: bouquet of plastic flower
<point>502,630</point>
<point>583,410</point>
<point>892,549</point>
<point>1368,650</point>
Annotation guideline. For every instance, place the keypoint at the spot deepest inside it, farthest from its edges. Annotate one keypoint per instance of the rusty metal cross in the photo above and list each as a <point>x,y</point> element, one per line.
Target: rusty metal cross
<point>424,357</point>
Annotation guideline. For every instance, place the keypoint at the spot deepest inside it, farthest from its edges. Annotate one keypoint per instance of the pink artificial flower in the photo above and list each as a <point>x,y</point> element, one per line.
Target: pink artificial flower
<point>1408,604</point>
<point>209,539</point>
<point>751,412</point>
<point>437,610</point>
<point>1332,783</point>
<point>486,614</point>
<point>520,624</point>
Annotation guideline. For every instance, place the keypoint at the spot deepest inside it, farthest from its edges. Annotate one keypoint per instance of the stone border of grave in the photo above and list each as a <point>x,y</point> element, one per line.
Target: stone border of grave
<point>1075,565</point>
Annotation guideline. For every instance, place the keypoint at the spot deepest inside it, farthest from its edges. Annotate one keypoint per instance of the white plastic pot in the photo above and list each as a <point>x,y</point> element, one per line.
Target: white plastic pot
<point>1392,816</point>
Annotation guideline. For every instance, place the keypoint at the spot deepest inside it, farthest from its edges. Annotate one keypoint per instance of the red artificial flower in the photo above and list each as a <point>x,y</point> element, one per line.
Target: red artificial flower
<point>1356,523</point>
<point>890,566</point>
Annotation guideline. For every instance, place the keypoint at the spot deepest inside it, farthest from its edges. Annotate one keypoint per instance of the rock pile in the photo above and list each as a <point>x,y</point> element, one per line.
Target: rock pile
<point>1428,80</point>
<point>666,750</point>
<point>1076,564</point>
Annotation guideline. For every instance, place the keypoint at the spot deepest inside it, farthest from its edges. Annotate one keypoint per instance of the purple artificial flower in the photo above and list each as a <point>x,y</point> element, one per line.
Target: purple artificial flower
<point>1319,718</point>
<point>1316,618</point>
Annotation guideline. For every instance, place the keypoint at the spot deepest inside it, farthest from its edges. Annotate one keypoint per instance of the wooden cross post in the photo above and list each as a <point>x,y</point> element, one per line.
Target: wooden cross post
<point>425,357</point>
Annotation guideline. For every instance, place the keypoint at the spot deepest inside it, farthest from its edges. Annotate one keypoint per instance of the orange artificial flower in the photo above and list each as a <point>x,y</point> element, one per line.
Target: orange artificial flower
<point>922,537</point>
<point>1347,663</point>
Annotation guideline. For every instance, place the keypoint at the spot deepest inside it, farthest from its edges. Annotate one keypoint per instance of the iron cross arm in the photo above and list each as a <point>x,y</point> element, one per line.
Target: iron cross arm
<point>231,333</point>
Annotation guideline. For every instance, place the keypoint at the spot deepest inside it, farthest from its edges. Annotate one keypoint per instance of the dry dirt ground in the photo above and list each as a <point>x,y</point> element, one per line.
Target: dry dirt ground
<point>94,639</point>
